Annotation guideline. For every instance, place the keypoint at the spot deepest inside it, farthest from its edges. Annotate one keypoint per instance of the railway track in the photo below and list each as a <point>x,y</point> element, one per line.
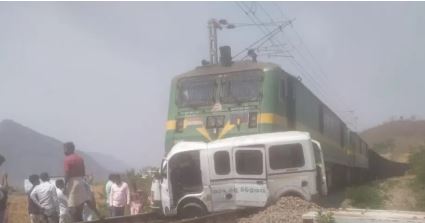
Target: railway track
<point>152,217</point>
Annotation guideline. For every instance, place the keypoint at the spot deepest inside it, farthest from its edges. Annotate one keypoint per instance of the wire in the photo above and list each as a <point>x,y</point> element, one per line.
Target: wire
<point>265,38</point>
<point>253,17</point>
<point>321,72</point>
<point>340,101</point>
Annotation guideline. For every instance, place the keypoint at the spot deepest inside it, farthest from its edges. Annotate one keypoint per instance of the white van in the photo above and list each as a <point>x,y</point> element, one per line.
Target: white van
<point>238,172</point>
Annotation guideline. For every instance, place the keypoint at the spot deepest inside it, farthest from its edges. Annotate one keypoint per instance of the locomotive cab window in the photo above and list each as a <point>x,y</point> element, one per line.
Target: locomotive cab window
<point>222,162</point>
<point>196,91</point>
<point>249,162</point>
<point>241,87</point>
<point>286,156</point>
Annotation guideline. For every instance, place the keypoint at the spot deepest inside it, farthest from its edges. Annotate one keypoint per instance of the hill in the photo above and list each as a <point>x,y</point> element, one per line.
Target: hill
<point>109,162</point>
<point>29,152</point>
<point>395,140</point>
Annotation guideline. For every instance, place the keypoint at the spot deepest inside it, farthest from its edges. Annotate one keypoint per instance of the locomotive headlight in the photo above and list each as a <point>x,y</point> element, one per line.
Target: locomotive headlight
<point>252,123</point>
<point>179,124</point>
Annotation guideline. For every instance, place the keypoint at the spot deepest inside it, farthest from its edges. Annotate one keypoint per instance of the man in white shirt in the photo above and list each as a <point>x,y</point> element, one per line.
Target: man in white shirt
<point>108,192</point>
<point>64,216</point>
<point>44,195</point>
<point>120,196</point>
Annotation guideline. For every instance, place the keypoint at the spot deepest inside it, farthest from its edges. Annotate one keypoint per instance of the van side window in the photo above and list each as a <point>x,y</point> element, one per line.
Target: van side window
<point>317,156</point>
<point>222,162</point>
<point>286,156</point>
<point>249,162</point>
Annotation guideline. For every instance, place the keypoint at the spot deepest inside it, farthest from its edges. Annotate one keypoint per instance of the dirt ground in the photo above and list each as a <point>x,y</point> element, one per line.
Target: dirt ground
<point>17,209</point>
<point>399,194</point>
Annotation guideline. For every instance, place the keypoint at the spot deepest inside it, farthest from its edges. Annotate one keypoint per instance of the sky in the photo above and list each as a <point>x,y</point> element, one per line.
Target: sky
<point>98,73</point>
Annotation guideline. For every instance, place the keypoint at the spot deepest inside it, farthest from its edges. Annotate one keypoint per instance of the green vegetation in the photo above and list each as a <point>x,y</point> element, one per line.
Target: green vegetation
<point>366,196</point>
<point>417,165</point>
<point>384,147</point>
<point>327,217</point>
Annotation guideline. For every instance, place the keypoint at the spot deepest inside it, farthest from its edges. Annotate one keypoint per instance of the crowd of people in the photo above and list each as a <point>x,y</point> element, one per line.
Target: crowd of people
<point>70,199</point>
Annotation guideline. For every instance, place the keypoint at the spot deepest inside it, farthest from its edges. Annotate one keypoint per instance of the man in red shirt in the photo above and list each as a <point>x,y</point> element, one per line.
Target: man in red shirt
<point>78,193</point>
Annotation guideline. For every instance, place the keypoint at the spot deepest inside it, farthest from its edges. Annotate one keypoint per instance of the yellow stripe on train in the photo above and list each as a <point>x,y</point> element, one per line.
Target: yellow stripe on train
<point>263,118</point>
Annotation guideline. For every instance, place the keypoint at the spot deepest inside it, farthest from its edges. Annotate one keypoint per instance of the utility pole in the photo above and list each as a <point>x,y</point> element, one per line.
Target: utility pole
<point>213,26</point>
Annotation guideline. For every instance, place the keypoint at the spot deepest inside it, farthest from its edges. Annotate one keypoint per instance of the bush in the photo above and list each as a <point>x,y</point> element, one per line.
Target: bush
<point>417,167</point>
<point>417,163</point>
<point>365,196</point>
<point>325,217</point>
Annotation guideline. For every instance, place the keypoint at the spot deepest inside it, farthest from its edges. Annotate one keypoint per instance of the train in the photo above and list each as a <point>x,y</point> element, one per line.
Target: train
<point>232,98</point>
<point>245,100</point>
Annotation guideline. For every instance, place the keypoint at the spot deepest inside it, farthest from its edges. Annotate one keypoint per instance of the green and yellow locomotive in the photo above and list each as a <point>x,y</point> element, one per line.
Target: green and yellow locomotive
<point>240,98</point>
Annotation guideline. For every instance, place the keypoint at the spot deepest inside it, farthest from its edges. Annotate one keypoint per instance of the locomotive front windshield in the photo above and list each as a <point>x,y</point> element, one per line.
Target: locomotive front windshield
<point>237,87</point>
<point>242,87</point>
<point>199,91</point>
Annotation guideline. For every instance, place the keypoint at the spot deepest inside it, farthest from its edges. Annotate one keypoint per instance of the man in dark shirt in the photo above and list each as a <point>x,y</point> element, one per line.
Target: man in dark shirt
<point>33,209</point>
<point>73,164</point>
<point>76,189</point>
<point>74,181</point>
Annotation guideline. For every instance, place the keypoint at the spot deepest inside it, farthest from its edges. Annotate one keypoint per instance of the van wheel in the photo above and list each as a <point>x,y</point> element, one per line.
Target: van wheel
<point>191,210</point>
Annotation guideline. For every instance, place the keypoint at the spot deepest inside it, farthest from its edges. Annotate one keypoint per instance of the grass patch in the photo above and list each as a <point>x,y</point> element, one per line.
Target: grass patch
<point>417,165</point>
<point>366,196</point>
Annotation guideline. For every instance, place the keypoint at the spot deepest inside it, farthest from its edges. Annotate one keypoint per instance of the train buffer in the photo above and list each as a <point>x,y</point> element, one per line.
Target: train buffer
<point>368,216</point>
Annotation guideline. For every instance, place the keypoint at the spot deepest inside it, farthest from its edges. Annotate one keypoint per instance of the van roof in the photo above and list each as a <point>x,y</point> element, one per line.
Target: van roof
<point>253,139</point>
<point>263,138</point>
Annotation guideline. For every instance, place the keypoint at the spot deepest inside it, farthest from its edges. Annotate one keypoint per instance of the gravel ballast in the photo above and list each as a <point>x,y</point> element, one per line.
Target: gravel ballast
<point>285,210</point>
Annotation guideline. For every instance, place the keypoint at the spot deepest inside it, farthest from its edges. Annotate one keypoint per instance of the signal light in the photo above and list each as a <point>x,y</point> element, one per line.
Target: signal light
<point>252,123</point>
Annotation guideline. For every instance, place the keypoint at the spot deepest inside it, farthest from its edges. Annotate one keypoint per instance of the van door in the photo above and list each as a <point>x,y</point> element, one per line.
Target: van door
<point>322,186</point>
<point>165,189</point>
<point>222,182</point>
<point>250,176</point>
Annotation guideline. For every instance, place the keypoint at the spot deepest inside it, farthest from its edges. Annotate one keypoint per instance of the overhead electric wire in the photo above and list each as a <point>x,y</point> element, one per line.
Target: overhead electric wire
<point>338,98</point>
<point>295,63</point>
<point>265,38</point>
<point>321,72</point>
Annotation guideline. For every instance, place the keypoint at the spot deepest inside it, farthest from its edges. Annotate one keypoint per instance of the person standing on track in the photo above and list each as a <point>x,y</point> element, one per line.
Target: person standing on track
<point>120,196</point>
